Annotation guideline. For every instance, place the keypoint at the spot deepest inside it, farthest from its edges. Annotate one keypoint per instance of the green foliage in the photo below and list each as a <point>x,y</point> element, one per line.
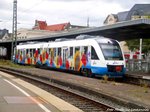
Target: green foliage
<point>10,64</point>
<point>134,44</point>
<point>105,79</point>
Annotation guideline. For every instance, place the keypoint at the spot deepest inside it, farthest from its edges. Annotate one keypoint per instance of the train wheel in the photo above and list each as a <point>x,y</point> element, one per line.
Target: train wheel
<point>84,72</point>
<point>81,71</point>
<point>89,73</point>
<point>37,65</point>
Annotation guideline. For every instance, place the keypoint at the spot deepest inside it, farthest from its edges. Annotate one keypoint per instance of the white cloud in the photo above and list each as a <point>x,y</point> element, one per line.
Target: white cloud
<point>76,12</point>
<point>59,11</point>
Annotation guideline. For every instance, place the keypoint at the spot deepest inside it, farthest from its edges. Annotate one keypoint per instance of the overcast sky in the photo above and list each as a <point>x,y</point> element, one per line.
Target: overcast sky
<point>60,11</point>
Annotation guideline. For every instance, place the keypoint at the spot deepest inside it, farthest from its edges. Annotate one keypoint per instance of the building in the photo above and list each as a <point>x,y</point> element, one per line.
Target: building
<point>41,28</point>
<point>42,25</point>
<point>24,33</point>
<point>138,11</point>
<point>4,35</point>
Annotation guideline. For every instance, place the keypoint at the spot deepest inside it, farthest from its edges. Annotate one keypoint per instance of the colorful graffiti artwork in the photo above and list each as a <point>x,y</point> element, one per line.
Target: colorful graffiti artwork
<point>49,57</point>
<point>84,59</point>
<point>77,61</point>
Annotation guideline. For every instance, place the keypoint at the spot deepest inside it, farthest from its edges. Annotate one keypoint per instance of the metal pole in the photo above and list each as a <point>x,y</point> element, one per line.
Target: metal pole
<point>12,45</point>
<point>15,21</point>
<point>14,29</point>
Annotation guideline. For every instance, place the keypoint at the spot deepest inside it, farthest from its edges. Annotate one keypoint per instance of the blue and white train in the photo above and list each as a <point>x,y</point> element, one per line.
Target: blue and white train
<point>91,55</point>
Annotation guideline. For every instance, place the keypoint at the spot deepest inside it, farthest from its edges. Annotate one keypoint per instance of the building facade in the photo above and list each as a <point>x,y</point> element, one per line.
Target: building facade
<point>41,28</point>
<point>4,35</point>
<point>138,11</point>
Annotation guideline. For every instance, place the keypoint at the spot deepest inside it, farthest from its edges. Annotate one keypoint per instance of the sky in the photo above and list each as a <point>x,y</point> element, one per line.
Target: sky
<point>76,12</point>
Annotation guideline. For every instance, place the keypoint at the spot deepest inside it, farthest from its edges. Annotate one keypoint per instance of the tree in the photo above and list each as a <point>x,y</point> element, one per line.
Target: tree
<point>135,44</point>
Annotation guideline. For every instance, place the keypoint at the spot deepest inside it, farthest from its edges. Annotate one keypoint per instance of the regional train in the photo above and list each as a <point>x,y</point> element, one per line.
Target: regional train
<point>90,55</point>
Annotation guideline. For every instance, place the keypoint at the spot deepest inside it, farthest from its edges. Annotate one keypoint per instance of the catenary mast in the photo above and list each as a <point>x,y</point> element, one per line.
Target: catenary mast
<point>14,28</point>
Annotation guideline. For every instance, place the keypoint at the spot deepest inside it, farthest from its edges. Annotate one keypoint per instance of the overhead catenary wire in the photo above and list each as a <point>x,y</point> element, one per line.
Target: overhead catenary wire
<point>33,6</point>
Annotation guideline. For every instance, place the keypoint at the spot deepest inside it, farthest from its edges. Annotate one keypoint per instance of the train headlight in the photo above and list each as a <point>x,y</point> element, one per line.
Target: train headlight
<point>118,68</point>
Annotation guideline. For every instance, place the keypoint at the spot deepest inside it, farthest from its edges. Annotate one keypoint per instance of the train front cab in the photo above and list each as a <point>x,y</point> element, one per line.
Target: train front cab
<point>109,60</point>
<point>112,71</point>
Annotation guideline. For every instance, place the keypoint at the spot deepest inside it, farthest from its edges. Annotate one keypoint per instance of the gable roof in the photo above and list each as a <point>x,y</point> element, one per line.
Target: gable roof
<point>3,32</point>
<point>42,25</point>
<point>139,9</point>
<point>114,15</point>
<point>122,16</point>
<point>58,27</point>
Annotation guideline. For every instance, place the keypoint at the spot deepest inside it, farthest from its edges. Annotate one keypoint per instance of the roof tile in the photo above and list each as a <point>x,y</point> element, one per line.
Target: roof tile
<point>42,25</point>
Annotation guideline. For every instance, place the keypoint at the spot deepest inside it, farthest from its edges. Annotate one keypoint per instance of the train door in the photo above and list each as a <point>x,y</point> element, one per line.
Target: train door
<point>77,58</point>
<point>86,56</point>
<point>89,55</point>
<point>65,52</point>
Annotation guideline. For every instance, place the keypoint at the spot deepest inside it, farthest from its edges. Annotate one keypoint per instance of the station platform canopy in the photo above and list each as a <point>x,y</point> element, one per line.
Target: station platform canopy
<point>127,30</point>
<point>132,29</point>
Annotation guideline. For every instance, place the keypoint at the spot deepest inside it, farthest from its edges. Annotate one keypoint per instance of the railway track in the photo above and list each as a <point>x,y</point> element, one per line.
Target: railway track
<point>134,80</point>
<point>69,95</point>
<point>83,98</point>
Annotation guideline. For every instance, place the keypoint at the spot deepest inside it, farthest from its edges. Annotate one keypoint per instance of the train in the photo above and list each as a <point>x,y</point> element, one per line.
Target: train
<point>89,55</point>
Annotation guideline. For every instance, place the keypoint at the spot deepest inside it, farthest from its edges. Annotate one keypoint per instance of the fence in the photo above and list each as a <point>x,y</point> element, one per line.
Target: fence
<point>139,66</point>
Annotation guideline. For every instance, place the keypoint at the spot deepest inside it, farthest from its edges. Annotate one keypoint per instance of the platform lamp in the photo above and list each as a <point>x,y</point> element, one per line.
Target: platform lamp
<point>14,29</point>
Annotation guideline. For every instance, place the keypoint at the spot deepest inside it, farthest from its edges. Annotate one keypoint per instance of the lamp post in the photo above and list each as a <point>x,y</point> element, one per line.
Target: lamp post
<point>14,29</point>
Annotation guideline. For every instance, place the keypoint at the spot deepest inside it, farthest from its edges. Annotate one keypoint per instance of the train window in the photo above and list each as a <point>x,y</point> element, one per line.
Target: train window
<point>18,51</point>
<point>52,53</point>
<point>111,51</point>
<point>44,49</point>
<point>27,51</point>
<point>38,51</point>
<point>54,50</point>
<point>47,50</point>
<point>31,53</point>
<point>24,53</point>
<point>85,49</point>
<point>93,54</point>
<point>21,52</point>
<point>59,51</point>
<point>71,51</point>
<point>77,49</point>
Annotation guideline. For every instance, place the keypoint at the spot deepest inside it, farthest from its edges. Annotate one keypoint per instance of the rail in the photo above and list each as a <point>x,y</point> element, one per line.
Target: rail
<point>94,100</point>
<point>68,94</point>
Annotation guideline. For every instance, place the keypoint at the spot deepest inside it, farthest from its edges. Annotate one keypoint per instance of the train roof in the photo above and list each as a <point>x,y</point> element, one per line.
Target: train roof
<point>32,42</point>
<point>83,39</point>
<point>80,37</point>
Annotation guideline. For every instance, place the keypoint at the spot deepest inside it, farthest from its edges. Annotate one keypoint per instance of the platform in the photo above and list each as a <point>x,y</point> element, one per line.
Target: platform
<point>17,95</point>
<point>128,93</point>
<point>138,78</point>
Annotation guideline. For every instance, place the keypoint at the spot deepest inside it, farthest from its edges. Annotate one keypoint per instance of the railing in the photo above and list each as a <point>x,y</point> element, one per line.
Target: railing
<point>140,66</point>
